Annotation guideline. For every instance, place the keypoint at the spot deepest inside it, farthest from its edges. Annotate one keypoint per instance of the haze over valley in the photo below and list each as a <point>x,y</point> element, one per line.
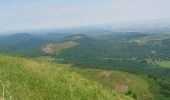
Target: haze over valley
<point>85,50</point>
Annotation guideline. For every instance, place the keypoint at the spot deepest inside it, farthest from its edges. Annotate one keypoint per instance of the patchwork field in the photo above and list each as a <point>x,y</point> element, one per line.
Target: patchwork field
<point>154,37</point>
<point>165,64</point>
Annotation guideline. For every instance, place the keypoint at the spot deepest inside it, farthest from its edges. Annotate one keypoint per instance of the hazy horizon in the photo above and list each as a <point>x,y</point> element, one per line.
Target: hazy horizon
<point>44,14</point>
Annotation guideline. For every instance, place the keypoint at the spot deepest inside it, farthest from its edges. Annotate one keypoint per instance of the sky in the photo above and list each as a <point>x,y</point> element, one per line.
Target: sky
<point>44,14</point>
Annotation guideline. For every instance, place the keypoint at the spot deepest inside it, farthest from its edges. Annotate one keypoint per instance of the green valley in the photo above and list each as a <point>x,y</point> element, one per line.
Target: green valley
<point>123,66</point>
<point>84,49</point>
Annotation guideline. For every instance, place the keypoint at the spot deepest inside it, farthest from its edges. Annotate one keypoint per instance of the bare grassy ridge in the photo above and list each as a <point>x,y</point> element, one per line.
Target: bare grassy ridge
<point>64,45</point>
<point>52,48</point>
<point>30,80</point>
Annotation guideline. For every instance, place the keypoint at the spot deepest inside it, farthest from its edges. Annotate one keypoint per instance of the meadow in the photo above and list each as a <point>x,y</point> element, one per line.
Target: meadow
<point>135,85</point>
<point>26,79</point>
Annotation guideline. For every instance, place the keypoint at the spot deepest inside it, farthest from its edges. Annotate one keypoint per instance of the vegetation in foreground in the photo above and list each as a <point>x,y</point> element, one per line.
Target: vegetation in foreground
<point>123,82</point>
<point>30,80</point>
<point>146,54</point>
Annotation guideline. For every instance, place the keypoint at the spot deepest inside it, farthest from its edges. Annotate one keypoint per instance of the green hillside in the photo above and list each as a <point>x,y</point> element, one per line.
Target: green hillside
<point>30,80</point>
<point>130,84</point>
<point>53,48</point>
<point>64,45</point>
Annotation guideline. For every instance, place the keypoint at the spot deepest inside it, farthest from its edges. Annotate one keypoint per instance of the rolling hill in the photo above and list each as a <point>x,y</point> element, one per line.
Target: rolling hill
<point>31,80</point>
<point>129,84</point>
<point>141,54</point>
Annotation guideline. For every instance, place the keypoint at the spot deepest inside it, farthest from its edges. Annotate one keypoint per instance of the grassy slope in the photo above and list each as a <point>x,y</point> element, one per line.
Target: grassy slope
<point>30,80</point>
<point>137,85</point>
<point>64,45</point>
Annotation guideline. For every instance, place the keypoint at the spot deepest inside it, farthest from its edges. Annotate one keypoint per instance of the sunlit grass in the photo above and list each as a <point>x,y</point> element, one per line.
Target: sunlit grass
<point>64,45</point>
<point>136,84</point>
<point>30,80</point>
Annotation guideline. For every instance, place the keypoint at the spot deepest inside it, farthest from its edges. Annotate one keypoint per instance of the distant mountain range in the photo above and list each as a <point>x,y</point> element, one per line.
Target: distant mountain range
<point>152,27</point>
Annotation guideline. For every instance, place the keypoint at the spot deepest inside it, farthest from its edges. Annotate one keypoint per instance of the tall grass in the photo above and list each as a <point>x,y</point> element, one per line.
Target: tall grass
<point>30,80</point>
<point>137,85</point>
